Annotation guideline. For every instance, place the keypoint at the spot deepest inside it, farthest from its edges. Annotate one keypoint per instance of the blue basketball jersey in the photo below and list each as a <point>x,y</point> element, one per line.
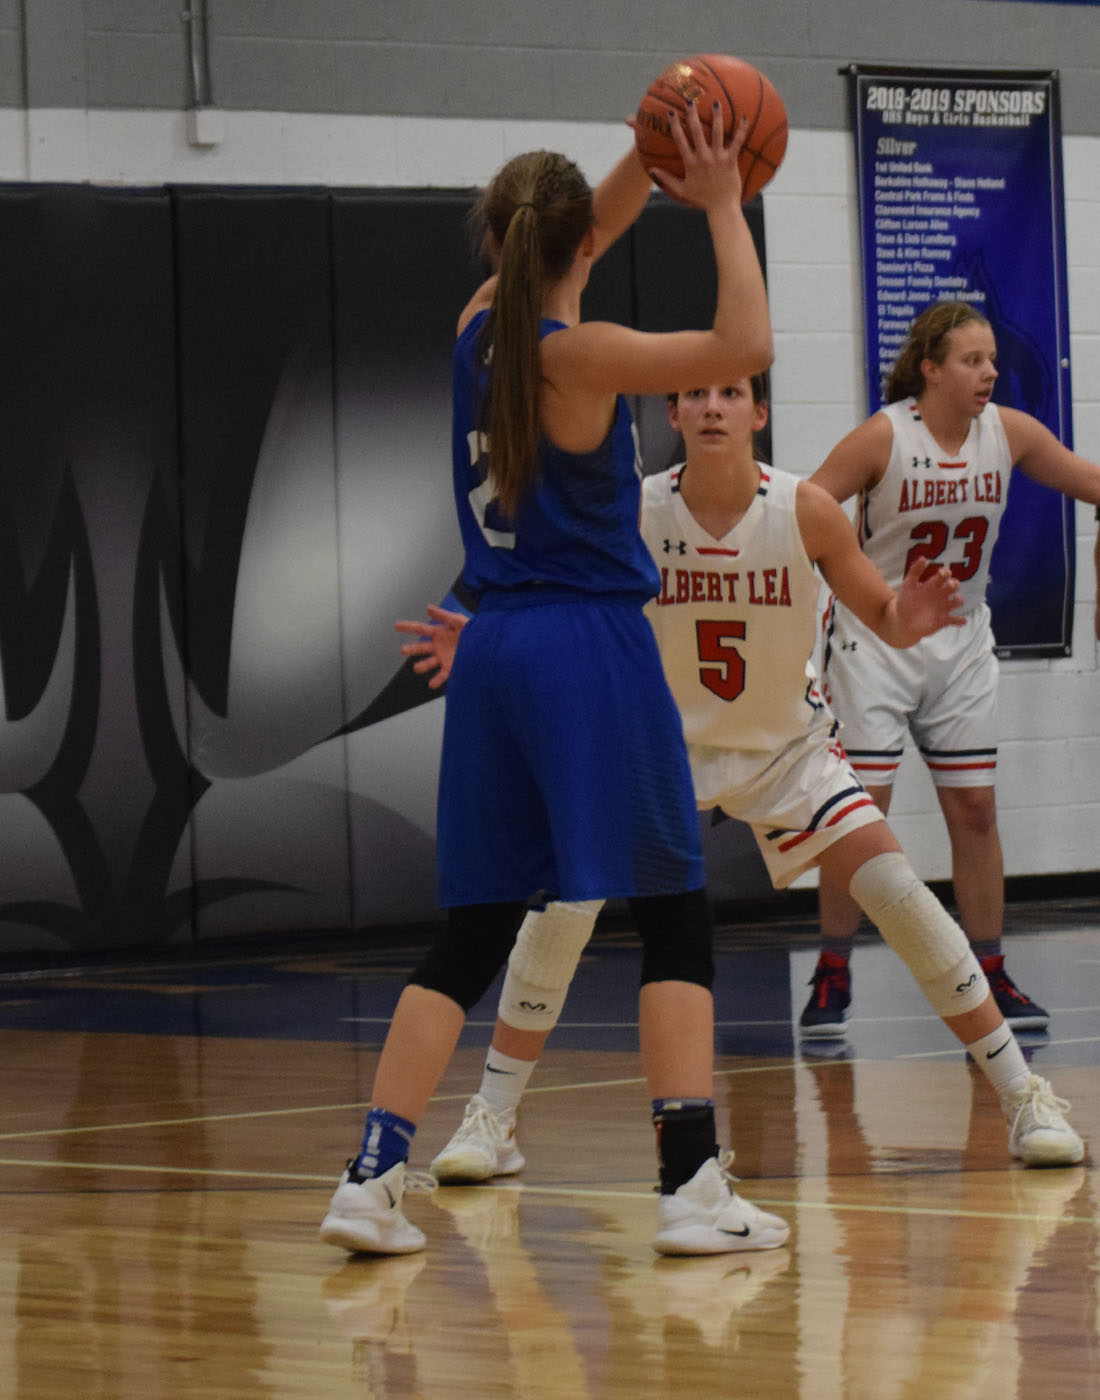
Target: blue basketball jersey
<point>564,771</point>
<point>578,527</point>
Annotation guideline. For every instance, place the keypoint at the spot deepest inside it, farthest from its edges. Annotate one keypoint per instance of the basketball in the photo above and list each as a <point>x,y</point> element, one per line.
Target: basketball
<point>739,89</point>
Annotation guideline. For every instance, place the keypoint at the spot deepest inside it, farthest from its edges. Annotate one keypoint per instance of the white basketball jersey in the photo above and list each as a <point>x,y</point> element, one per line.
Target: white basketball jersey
<point>946,508</point>
<point>736,618</point>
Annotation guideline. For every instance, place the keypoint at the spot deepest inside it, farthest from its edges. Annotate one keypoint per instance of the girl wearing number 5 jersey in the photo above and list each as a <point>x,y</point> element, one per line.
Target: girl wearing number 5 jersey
<point>931,473</point>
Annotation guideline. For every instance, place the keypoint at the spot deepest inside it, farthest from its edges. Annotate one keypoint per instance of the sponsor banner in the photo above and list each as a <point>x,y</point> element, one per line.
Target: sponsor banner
<point>960,197</point>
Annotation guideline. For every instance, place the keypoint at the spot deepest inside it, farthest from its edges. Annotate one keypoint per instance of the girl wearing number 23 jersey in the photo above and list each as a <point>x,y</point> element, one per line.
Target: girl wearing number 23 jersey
<point>931,474</point>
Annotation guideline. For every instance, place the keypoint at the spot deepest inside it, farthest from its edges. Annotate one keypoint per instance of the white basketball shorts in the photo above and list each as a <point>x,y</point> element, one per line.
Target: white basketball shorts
<point>798,802</point>
<point>942,691</point>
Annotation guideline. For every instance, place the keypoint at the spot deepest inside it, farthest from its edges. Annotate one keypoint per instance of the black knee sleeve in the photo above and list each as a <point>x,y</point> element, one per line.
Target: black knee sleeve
<point>471,950</point>
<point>677,935</point>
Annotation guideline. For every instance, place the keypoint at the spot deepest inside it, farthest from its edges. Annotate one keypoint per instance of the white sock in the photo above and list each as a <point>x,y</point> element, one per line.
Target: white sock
<point>1001,1060</point>
<point>504,1080</point>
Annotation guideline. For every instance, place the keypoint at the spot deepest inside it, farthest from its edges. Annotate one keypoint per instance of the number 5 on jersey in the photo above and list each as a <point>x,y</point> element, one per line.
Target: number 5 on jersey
<point>723,667</point>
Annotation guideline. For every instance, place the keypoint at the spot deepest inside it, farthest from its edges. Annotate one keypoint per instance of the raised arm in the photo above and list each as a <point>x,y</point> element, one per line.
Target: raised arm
<point>619,199</point>
<point>929,597</point>
<point>1039,454</point>
<point>600,358</point>
<point>617,202</point>
<point>859,460</point>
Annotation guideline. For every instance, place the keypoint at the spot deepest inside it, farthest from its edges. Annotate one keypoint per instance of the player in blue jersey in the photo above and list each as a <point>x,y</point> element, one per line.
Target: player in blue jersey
<point>564,772</point>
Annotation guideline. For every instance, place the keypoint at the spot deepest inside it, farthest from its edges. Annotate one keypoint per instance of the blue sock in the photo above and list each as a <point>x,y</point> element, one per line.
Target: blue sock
<point>663,1106</point>
<point>386,1141</point>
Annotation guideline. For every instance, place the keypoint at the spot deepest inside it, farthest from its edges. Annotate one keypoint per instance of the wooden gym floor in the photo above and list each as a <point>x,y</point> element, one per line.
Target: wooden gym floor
<point>170,1134</point>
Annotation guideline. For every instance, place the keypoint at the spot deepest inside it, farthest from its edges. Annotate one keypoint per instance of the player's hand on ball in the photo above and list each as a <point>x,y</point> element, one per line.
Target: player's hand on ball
<point>711,171</point>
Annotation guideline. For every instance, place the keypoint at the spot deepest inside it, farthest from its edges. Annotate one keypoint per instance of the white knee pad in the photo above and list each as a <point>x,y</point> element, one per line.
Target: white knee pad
<point>548,947</point>
<point>922,933</point>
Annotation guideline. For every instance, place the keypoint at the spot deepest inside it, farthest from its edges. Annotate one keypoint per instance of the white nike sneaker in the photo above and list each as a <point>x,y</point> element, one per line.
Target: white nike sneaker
<point>365,1216</point>
<point>706,1216</point>
<point>483,1146</point>
<point>1038,1133</point>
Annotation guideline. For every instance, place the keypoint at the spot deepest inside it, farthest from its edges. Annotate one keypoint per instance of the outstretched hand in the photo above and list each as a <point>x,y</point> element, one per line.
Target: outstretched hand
<point>929,599</point>
<point>711,171</point>
<point>435,644</point>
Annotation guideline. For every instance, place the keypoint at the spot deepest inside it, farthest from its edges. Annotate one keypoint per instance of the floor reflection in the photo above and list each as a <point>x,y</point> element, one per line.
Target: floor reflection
<point>164,1171</point>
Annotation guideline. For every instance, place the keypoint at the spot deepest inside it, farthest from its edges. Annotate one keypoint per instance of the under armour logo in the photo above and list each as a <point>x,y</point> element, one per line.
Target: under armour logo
<point>675,546</point>
<point>925,462</point>
<point>848,646</point>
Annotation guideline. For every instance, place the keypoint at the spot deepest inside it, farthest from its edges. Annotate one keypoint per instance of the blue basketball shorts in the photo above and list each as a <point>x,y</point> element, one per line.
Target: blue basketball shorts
<point>564,771</point>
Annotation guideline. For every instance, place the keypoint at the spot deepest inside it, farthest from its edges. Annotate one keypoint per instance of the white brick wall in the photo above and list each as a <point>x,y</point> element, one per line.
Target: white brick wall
<point>1049,776</point>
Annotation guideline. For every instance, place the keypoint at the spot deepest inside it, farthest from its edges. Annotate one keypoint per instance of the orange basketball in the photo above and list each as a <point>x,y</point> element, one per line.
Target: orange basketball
<point>738,88</point>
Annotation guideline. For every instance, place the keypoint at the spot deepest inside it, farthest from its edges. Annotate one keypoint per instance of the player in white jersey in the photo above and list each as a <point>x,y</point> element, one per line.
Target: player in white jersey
<point>735,623</point>
<point>931,472</point>
<point>736,543</point>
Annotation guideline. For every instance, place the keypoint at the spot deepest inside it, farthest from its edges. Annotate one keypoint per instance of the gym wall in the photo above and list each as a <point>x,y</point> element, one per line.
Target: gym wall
<point>344,97</point>
<point>225,471</point>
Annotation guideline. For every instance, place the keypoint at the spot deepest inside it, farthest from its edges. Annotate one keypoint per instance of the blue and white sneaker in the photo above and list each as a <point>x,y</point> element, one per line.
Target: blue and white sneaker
<point>365,1217</point>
